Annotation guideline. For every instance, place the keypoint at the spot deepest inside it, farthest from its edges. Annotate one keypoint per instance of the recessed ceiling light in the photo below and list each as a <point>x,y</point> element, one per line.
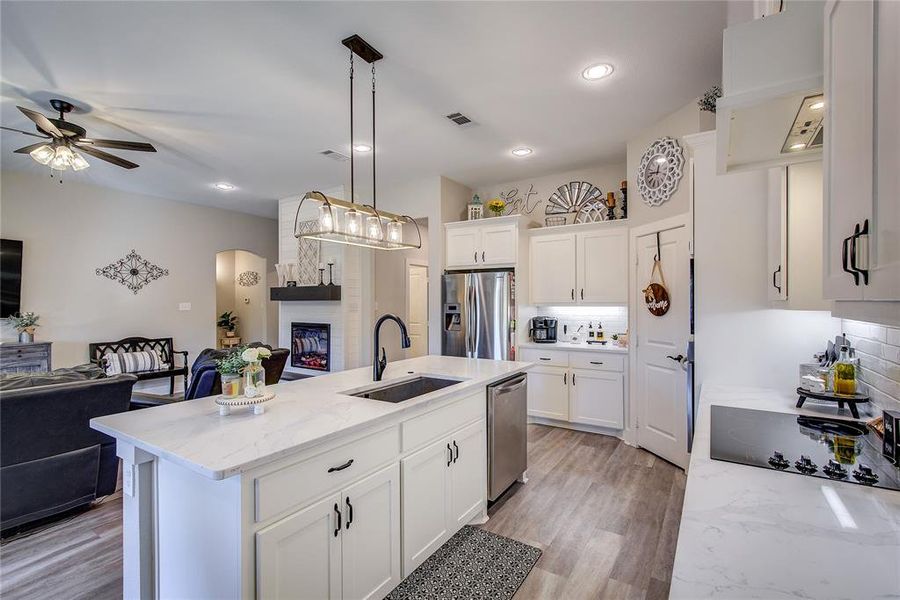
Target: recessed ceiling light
<point>817,105</point>
<point>798,146</point>
<point>523,151</point>
<point>224,186</point>
<point>595,72</point>
<point>362,148</point>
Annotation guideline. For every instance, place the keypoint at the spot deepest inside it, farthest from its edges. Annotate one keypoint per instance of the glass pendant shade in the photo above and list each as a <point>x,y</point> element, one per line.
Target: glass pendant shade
<point>78,162</point>
<point>62,159</point>
<point>44,154</point>
<point>395,232</point>
<point>326,219</point>
<point>373,228</point>
<point>353,222</point>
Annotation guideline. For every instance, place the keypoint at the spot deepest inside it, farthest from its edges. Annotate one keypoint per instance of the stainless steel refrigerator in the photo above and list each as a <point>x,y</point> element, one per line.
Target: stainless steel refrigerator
<point>478,314</point>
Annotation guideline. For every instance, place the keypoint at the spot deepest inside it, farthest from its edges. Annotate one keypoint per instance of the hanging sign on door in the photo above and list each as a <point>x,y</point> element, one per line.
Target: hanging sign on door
<point>655,294</point>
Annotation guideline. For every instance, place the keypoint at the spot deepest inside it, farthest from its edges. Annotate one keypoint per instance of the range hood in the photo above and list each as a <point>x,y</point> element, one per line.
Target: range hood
<point>772,107</point>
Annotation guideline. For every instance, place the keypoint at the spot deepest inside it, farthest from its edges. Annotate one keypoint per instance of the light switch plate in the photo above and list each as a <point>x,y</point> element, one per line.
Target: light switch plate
<point>184,306</point>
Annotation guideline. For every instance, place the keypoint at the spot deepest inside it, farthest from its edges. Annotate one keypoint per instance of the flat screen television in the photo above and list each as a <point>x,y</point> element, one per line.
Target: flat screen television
<point>10,277</point>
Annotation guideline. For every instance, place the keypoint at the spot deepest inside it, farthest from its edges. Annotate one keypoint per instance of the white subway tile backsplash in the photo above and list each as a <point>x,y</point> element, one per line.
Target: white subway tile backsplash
<point>878,349</point>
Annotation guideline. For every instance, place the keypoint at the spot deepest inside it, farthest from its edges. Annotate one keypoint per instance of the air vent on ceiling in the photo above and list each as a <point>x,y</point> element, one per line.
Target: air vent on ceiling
<point>460,119</point>
<point>334,155</point>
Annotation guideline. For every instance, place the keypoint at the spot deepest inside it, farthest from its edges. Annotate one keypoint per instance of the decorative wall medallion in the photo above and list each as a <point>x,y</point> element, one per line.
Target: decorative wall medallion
<point>564,204</point>
<point>518,203</point>
<point>660,171</point>
<point>307,254</point>
<point>133,271</point>
<point>248,278</point>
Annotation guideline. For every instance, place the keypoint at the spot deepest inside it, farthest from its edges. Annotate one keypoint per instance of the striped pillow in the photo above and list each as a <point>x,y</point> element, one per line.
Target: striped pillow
<point>132,362</point>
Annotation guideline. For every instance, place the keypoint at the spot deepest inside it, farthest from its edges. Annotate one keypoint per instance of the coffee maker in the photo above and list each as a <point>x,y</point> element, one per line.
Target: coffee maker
<point>543,330</point>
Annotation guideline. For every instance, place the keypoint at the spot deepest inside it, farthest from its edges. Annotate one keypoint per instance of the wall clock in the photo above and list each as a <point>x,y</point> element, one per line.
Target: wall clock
<point>660,171</point>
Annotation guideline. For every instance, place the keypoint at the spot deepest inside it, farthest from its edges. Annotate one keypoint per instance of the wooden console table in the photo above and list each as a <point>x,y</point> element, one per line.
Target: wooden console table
<point>18,357</point>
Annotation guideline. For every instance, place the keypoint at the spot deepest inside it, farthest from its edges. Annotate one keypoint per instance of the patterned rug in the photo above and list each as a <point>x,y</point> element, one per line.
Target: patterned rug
<point>472,564</point>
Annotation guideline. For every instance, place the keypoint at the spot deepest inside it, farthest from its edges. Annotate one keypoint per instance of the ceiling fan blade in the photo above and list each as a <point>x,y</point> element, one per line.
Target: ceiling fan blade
<point>136,146</point>
<point>28,149</point>
<point>41,121</point>
<point>119,162</point>
<point>45,137</point>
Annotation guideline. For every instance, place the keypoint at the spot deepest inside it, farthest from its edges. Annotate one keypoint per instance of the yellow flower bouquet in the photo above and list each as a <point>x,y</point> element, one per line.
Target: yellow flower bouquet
<point>496,206</point>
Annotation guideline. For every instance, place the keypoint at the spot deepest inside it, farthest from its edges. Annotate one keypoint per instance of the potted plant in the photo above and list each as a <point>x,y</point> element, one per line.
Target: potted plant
<point>25,324</point>
<point>496,206</point>
<point>230,369</point>
<point>228,322</point>
<point>254,373</point>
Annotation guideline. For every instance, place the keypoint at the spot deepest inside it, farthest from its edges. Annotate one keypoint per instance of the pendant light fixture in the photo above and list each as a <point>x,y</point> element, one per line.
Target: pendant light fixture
<point>348,222</point>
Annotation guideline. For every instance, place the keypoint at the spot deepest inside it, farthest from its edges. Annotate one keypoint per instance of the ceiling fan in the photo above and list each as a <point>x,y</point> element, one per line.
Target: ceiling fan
<point>63,137</point>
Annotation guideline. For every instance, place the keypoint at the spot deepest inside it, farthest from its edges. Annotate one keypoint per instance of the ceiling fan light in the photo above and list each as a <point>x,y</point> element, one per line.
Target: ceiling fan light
<point>44,154</point>
<point>62,159</point>
<point>78,162</point>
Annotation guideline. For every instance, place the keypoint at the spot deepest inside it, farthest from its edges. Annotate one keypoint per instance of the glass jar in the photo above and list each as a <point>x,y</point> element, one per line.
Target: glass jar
<point>254,380</point>
<point>845,373</point>
<point>231,385</point>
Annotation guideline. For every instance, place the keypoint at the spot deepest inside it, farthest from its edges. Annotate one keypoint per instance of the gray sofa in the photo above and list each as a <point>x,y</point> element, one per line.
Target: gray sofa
<point>51,461</point>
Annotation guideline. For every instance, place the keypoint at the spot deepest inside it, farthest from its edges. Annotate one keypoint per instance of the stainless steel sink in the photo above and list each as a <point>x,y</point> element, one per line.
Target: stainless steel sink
<point>404,390</point>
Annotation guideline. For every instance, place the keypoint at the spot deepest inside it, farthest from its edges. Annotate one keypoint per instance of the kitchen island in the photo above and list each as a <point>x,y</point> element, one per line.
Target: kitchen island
<point>304,499</point>
<point>748,532</point>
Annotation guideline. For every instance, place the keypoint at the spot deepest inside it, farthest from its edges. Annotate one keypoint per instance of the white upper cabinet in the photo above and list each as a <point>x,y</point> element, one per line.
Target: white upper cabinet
<point>587,267</point>
<point>552,262</point>
<point>484,243</point>
<point>861,214</point>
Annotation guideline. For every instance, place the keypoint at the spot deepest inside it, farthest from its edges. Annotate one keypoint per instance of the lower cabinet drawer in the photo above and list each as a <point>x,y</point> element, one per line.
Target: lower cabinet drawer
<point>600,361</point>
<point>437,423</point>
<point>295,485</point>
<point>556,358</point>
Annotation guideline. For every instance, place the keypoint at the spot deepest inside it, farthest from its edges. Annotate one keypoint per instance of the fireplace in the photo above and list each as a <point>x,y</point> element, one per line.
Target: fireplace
<point>311,346</point>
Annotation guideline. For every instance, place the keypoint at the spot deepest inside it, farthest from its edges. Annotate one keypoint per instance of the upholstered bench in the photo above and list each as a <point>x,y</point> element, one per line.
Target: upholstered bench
<point>162,346</point>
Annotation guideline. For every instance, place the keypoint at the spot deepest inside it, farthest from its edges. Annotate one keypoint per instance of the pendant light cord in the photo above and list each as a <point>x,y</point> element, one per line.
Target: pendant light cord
<point>352,194</point>
<point>374,197</point>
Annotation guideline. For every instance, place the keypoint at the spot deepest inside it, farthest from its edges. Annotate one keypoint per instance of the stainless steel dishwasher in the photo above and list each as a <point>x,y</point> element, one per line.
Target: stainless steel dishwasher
<point>507,433</point>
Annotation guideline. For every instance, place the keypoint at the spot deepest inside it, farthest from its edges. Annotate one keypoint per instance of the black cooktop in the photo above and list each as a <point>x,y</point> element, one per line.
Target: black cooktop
<point>840,450</point>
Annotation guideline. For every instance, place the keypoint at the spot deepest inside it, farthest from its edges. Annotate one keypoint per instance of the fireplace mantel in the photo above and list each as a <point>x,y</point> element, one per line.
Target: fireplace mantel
<point>306,293</point>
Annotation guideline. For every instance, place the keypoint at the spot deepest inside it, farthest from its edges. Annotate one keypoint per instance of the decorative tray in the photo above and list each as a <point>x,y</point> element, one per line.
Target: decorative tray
<point>226,404</point>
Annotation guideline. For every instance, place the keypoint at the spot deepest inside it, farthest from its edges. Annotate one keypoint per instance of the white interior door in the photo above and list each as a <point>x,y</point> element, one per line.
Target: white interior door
<point>371,537</point>
<point>660,379</point>
<point>417,309</point>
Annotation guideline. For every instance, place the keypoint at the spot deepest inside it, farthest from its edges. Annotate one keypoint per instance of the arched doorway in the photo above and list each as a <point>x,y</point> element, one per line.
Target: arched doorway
<point>241,291</point>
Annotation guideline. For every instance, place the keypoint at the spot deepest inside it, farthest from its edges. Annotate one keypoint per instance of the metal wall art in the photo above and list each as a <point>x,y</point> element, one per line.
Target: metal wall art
<point>248,278</point>
<point>519,203</point>
<point>133,271</point>
<point>307,253</point>
<point>660,171</point>
<point>568,201</point>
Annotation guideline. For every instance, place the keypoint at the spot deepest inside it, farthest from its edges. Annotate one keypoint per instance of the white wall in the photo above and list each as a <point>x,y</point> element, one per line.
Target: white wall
<point>740,339</point>
<point>71,229</point>
<point>248,303</point>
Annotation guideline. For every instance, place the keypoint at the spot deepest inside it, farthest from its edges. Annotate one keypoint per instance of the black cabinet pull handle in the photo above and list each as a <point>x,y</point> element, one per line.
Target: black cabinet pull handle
<point>349,512</point>
<point>337,511</point>
<point>582,293</point>
<point>774,273</point>
<point>856,233</point>
<point>457,451</point>
<point>573,379</point>
<point>565,378</point>
<point>542,358</point>
<point>475,255</point>
<point>596,362</point>
<point>450,451</point>
<point>342,467</point>
<point>573,293</point>
<point>482,256</point>
<point>844,260</point>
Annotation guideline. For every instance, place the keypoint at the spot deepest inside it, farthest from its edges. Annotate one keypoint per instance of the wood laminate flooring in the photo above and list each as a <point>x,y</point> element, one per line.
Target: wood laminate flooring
<point>605,515</point>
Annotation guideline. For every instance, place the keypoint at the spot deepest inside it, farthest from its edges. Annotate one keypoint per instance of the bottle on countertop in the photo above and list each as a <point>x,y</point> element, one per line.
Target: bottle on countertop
<point>845,373</point>
<point>599,330</point>
<point>591,330</point>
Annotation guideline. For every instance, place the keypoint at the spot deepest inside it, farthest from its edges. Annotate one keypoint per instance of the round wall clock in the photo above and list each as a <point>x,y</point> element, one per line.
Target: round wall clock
<point>660,171</point>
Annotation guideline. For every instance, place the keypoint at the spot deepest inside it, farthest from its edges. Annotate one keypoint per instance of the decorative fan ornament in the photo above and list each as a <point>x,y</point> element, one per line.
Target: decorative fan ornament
<point>660,171</point>
<point>564,204</point>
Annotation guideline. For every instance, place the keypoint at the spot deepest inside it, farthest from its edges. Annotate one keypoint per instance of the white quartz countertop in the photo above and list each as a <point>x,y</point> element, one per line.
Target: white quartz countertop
<point>748,532</point>
<point>610,347</point>
<point>303,413</point>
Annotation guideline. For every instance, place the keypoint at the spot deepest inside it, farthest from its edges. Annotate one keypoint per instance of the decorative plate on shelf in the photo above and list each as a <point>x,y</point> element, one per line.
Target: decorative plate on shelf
<point>564,204</point>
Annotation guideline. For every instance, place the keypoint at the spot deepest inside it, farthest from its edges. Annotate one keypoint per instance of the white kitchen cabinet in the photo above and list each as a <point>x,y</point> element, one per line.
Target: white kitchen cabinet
<point>597,398</point>
<point>585,267</point>
<point>482,243</point>
<point>345,546</point>
<point>444,487</point>
<point>548,393</point>
<point>861,214</point>
<point>602,264</point>
<point>467,474</point>
<point>777,238</point>
<point>370,540</point>
<point>300,556</point>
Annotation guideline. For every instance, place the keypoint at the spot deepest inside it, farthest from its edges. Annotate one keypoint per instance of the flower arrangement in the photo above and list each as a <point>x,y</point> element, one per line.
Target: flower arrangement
<point>252,355</point>
<point>232,363</point>
<point>24,321</point>
<point>496,206</point>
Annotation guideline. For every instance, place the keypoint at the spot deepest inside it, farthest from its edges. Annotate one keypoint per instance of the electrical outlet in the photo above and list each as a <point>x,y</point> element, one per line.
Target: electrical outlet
<point>184,306</point>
